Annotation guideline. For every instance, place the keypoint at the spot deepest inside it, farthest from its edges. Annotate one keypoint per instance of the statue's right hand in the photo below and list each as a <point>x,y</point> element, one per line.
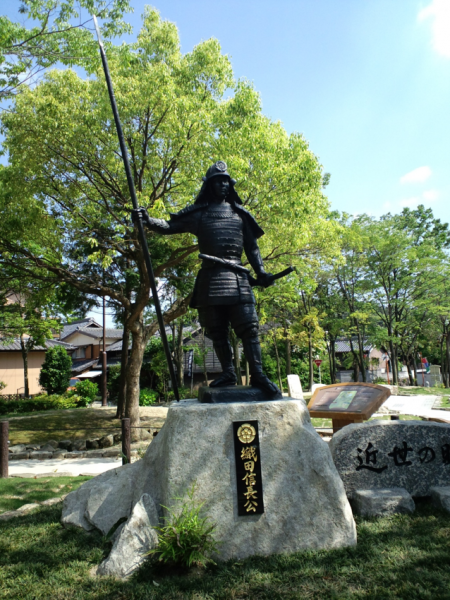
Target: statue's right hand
<point>139,213</point>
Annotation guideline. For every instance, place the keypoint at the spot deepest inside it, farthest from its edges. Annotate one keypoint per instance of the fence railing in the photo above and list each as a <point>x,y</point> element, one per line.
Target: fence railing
<point>126,440</point>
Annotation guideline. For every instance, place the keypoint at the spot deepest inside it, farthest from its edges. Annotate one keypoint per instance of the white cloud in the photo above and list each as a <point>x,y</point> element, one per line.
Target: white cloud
<point>410,202</point>
<point>430,195</point>
<point>419,175</point>
<point>387,205</point>
<point>439,11</point>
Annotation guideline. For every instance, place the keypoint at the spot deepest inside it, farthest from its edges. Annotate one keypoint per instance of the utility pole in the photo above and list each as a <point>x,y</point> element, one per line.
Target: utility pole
<point>104,388</point>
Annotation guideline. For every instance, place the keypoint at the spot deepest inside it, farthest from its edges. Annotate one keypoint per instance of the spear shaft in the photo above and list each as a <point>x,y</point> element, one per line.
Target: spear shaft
<point>142,237</point>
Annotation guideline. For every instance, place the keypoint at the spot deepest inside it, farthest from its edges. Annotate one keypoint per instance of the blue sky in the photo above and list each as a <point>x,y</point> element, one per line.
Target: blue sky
<point>367,83</point>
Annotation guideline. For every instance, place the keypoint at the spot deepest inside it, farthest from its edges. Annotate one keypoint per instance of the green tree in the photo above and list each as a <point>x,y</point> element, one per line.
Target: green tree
<point>56,371</point>
<point>178,118</point>
<point>59,33</point>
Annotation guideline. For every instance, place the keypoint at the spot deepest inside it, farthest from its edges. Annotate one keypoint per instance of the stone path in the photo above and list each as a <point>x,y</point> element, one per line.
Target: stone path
<point>73,466</point>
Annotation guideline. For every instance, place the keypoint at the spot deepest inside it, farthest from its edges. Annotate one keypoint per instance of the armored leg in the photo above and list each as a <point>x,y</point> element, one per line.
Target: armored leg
<point>245,323</point>
<point>216,323</point>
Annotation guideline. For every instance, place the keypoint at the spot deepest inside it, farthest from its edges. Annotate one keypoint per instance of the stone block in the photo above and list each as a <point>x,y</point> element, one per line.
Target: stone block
<point>113,452</point>
<point>19,456</point>
<point>381,502</point>
<point>47,448</point>
<point>64,444</point>
<point>41,455</point>
<point>305,505</point>
<point>92,445</point>
<point>17,448</point>
<point>75,454</point>
<point>136,537</point>
<point>59,454</point>
<point>106,441</point>
<point>441,497</point>
<point>32,447</point>
<point>295,387</point>
<point>414,455</point>
<point>117,438</point>
<point>94,453</point>
<point>78,445</point>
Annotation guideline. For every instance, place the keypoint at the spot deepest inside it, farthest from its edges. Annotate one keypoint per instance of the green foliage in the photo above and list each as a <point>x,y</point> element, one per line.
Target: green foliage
<point>2,385</point>
<point>147,397</point>
<point>113,382</point>
<point>58,34</point>
<point>56,371</point>
<point>86,390</point>
<point>39,403</point>
<point>187,538</point>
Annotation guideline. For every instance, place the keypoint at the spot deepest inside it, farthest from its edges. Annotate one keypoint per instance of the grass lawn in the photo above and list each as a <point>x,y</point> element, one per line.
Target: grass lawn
<point>401,557</point>
<point>77,423</point>
<point>15,492</point>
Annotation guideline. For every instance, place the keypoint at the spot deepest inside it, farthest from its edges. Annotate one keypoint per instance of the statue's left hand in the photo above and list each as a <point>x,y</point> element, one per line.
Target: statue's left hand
<point>264,280</point>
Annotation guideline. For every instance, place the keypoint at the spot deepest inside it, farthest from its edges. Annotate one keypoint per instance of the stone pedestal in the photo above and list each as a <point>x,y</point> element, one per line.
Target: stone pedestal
<point>305,505</point>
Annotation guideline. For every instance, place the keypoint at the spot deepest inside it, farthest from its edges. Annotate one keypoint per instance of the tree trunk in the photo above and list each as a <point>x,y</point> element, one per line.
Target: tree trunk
<point>447,347</point>
<point>121,401</point>
<point>310,359</point>
<point>415,367</point>
<point>394,363</point>
<point>180,365</point>
<point>408,364</point>
<point>26,392</point>
<point>288,351</point>
<point>280,383</point>
<point>332,355</point>
<point>362,365</point>
<point>133,375</point>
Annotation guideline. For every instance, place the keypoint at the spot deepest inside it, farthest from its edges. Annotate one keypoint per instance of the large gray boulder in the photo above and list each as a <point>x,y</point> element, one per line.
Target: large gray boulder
<point>134,540</point>
<point>305,502</point>
<point>414,455</point>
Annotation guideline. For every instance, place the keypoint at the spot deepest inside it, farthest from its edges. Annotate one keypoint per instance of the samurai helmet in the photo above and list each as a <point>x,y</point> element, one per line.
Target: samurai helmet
<point>218,168</point>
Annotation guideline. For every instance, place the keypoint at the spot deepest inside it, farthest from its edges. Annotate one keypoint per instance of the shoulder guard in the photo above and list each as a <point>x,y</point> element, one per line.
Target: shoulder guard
<point>250,220</point>
<point>187,210</point>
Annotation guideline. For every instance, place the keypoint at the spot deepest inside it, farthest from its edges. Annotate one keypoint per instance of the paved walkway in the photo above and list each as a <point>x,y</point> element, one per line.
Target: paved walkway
<point>73,466</point>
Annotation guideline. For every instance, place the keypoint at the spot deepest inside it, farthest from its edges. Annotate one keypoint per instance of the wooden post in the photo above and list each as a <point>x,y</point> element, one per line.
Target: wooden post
<point>126,440</point>
<point>4,434</point>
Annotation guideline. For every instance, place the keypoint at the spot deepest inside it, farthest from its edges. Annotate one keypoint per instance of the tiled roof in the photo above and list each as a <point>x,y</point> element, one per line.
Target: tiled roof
<point>212,362</point>
<point>116,347</point>
<point>14,345</point>
<point>69,328</point>
<point>98,333</point>
<point>343,345</point>
<point>81,365</point>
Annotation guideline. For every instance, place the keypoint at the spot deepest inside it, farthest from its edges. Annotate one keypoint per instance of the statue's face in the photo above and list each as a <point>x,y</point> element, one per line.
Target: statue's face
<point>220,186</point>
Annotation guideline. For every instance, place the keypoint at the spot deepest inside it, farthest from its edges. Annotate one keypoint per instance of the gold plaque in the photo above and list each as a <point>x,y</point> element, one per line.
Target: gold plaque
<point>246,433</point>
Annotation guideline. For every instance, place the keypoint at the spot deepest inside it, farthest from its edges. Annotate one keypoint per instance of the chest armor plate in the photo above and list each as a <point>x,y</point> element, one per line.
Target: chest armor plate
<point>221,233</point>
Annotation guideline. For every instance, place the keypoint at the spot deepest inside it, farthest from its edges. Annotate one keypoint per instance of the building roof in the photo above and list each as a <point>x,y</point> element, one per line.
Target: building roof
<point>343,345</point>
<point>116,347</point>
<point>91,328</point>
<point>212,362</point>
<point>69,328</point>
<point>14,346</point>
<point>81,365</point>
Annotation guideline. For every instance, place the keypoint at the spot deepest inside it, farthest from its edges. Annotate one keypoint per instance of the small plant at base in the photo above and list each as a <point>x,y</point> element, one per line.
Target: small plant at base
<point>187,538</point>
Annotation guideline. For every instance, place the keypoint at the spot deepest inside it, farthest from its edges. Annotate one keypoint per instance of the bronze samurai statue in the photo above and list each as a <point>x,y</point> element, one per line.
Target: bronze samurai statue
<point>222,292</point>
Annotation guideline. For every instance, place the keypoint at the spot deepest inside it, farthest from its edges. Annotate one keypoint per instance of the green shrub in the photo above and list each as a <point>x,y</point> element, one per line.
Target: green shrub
<point>87,390</point>
<point>2,385</point>
<point>147,397</point>
<point>186,538</point>
<point>38,403</point>
<point>113,382</point>
<point>56,371</point>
